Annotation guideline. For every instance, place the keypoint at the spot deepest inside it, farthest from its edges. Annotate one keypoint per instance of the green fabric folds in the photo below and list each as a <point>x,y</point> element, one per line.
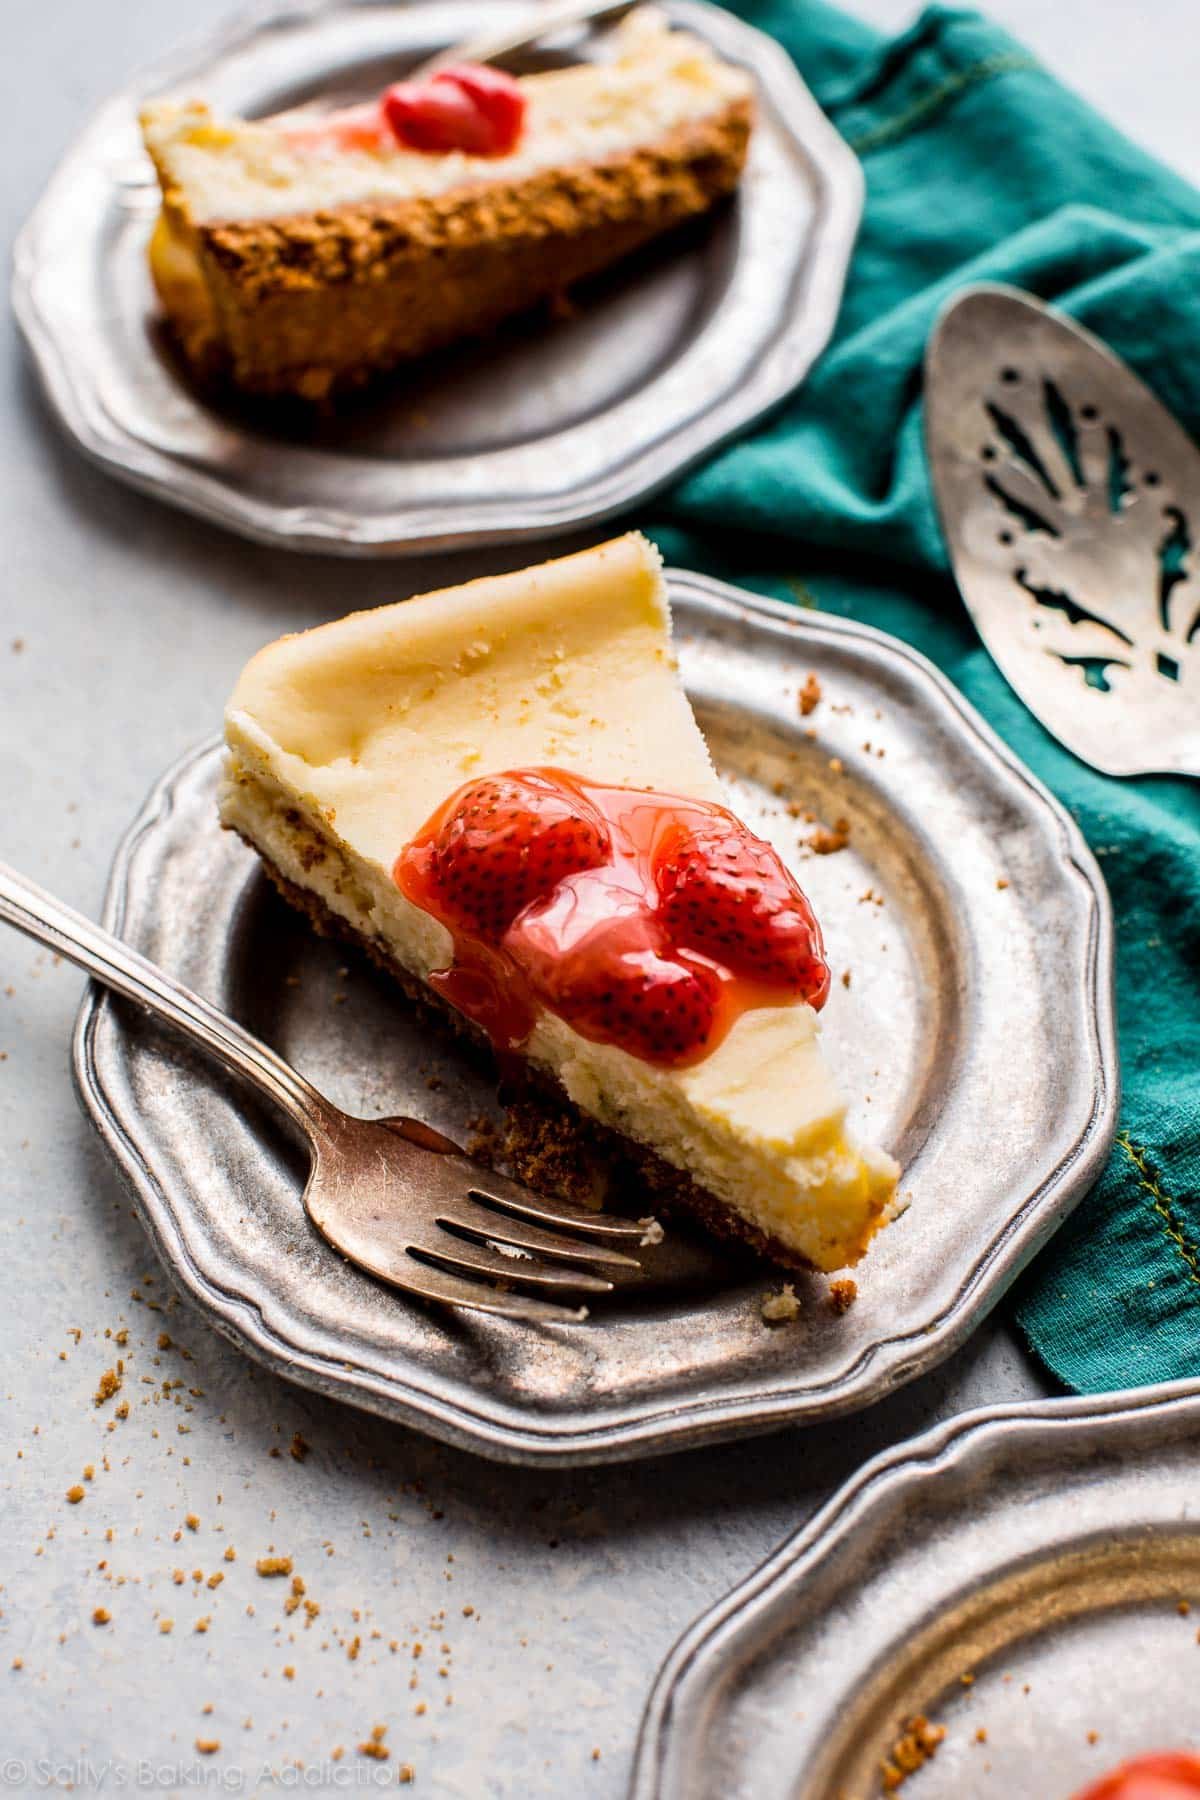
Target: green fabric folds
<point>980,165</point>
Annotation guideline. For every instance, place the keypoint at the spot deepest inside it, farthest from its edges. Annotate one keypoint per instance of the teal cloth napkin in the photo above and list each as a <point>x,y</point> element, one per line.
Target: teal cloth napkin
<point>980,165</point>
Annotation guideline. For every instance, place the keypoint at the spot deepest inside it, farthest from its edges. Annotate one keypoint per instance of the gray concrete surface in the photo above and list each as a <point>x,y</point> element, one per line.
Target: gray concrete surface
<point>548,1600</point>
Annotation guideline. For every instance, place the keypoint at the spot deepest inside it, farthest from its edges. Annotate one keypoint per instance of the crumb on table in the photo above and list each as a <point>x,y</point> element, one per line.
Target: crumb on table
<point>273,1565</point>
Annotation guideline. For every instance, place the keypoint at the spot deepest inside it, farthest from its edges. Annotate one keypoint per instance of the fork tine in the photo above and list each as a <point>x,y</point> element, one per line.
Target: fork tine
<point>480,1262</point>
<point>416,1276</point>
<point>524,1204</point>
<point>466,1217</point>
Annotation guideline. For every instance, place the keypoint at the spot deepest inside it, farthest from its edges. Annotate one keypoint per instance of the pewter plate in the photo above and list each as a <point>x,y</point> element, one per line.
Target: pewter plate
<point>1049,1553</point>
<point>544,428</point>
<point>977,1029</point>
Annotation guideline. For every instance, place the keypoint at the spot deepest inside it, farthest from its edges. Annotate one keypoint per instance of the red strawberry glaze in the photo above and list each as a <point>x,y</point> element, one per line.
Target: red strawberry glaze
<point>477,110</point>
<point>1169,1775</point>
<point>642,919</point>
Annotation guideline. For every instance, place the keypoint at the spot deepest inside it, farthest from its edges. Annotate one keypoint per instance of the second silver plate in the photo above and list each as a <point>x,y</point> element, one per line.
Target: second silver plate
<point>540,430</point>
<point>1027,1579</point>
<point>976,1030</point>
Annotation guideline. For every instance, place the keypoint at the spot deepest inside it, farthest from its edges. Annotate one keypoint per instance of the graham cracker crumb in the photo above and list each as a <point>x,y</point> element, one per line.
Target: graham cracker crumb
<point>911,1751</point>
<point>375,1746</point>
<point>550,1160</point>
<point>208,1746</point>
<point>109,1382</point>
<point>273,1565</point>
<point>809,697</point>
<point>75,1493</point>
<point>842,1295</point>
<point>101,1616</point>
<point>828,843</point>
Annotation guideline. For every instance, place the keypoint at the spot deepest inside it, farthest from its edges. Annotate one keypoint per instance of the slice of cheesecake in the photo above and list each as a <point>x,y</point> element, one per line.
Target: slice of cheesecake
<point>297,256</point>
<point>382,767</point>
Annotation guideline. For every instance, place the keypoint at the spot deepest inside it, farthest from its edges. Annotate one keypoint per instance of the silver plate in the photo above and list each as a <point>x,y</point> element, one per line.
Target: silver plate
<point>978,1022</point>
<point>539,431</point>
<point>1049,1552</point>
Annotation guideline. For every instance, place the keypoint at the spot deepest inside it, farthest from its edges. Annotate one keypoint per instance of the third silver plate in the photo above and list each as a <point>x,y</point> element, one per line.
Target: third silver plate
<point>1026,1578</point>
<point>976,1030</point>
<point>540,430</point>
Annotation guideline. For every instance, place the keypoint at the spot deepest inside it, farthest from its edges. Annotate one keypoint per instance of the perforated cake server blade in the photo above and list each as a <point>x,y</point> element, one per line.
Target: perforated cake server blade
<point>1070,502</point>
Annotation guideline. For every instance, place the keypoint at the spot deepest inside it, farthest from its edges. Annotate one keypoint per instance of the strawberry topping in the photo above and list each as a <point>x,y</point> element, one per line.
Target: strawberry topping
<point>509,841</point>
<point>643,920</point>
<point>597,956</point>
<point>726,893</point>
<point>1169,1775</point>
<point>470,108</point>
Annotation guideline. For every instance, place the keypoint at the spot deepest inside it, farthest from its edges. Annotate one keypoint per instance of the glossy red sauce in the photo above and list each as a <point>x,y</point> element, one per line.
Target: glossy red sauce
<point>643,919</point>
<point>1166,1775</point>
<point>477,110</point>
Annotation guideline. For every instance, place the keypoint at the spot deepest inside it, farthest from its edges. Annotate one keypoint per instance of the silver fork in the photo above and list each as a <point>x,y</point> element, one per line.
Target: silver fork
<point>392,1195</point>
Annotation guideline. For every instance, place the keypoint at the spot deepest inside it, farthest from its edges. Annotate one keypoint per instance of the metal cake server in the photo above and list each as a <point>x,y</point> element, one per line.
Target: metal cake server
<point>392,1195</point>
<point>1070,501</point>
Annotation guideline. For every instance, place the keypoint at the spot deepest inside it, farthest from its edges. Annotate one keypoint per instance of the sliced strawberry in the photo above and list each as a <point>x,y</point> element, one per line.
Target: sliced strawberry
<point>510,840</point>
<point>469,108</point>
<point>662,1009</point>
<point>725,893</point>
<point>594,954</point>
<point>498,97</point>
<point>436,116</point>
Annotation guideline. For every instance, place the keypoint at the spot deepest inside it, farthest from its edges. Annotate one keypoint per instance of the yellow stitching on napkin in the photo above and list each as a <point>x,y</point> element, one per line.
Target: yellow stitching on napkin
<point>1163,1205</point>
<point>888,130</point>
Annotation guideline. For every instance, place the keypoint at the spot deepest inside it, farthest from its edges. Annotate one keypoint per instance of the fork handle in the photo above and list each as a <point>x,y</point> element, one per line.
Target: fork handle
<point>41,916</point>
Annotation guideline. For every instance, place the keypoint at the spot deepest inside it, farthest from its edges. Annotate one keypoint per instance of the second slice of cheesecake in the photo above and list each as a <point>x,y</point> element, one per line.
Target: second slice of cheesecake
<point>296,259</point>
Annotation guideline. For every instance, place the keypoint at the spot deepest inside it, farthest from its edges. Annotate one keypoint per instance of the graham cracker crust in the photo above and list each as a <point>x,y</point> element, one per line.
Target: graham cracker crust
<point>306,304</point>
<point>550,1144</point>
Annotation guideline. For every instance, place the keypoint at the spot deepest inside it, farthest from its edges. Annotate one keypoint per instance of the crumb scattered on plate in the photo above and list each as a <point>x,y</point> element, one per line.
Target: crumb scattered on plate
<point>912,1750</point>
<point>780,1308</point>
